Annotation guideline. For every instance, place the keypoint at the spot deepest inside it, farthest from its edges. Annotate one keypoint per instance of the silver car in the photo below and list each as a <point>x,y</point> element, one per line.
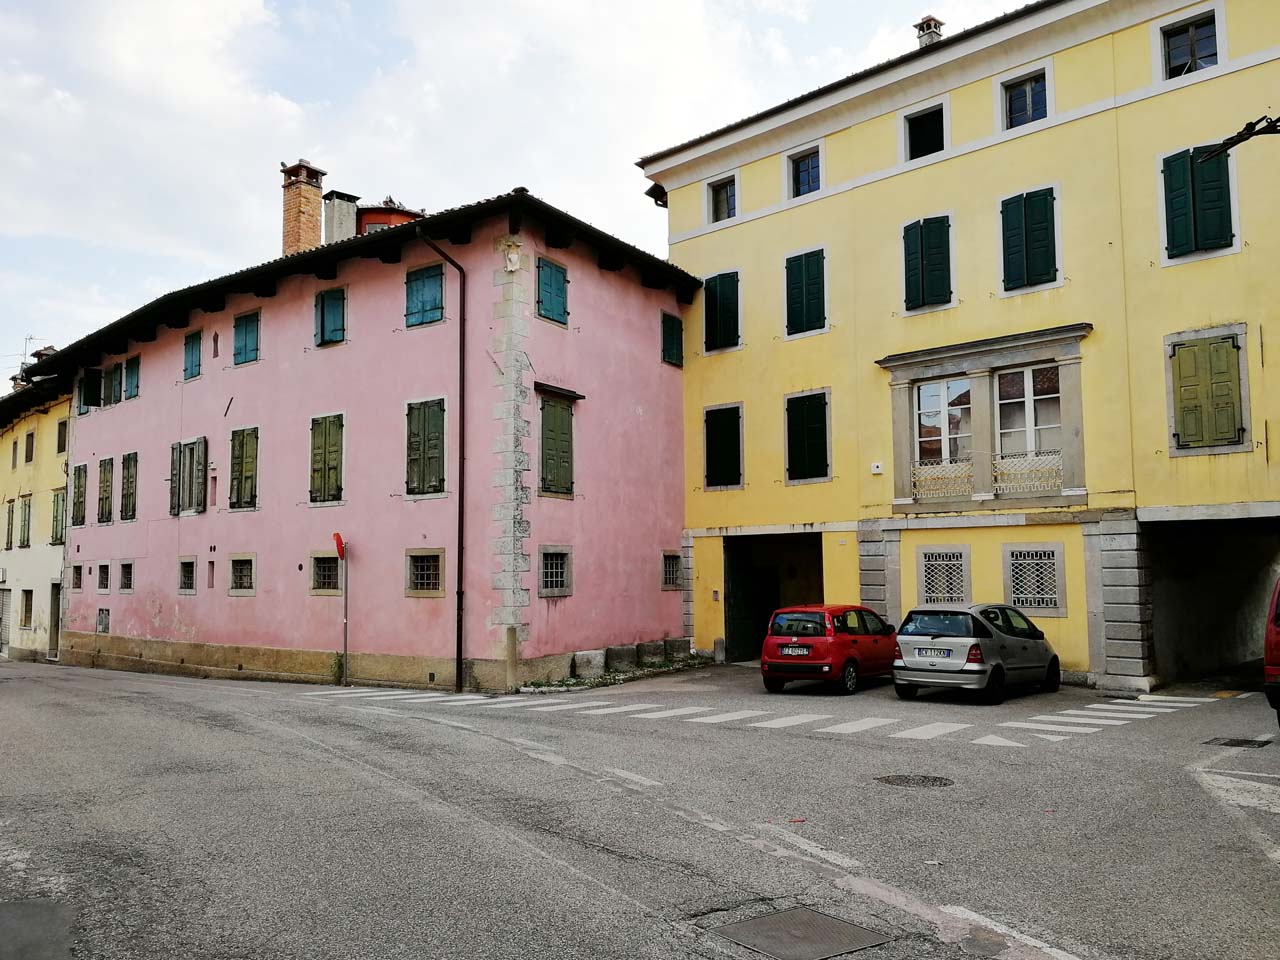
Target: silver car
<point>982,646</point>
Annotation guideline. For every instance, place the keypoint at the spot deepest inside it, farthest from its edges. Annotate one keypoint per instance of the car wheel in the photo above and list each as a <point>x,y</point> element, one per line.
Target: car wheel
<point>993,692</point>
<point>774,686</point>
<point>1052,677</point>
<point>905,691</point>
<point>848,682</point>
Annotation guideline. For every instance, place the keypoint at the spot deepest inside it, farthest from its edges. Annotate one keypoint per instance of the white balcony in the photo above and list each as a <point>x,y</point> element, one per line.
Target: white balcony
<point>947,478</point>
<point>1027,474</point>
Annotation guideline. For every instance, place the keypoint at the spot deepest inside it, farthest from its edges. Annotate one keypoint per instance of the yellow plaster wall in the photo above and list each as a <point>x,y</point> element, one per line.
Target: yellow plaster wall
<point>708,591</point>
<point>1083,74</point>
<point>840,567</point>
<point>862,149</point>
<point>760,184</point>
<point>972,112</point>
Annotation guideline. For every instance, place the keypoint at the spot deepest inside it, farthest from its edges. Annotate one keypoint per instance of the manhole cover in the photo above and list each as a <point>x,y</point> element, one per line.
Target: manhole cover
<point>1235,742</point>
<point>800,934</point>
<point>915,780</point>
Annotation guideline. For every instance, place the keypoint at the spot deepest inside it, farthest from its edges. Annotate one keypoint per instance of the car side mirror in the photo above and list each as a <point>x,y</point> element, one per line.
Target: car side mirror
<point>1038,633</point>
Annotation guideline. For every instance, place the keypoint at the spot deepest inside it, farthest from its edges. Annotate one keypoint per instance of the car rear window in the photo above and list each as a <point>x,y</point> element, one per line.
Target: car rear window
<point>799,625</point>
<point>940,623</point>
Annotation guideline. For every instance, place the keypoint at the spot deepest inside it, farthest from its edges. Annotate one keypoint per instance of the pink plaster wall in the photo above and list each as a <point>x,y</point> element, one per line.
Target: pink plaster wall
<point>627,459</point>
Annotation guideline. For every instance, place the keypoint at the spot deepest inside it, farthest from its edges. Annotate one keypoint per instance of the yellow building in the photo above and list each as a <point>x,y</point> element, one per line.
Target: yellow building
<point>984,323</point>
<point>34,425</point>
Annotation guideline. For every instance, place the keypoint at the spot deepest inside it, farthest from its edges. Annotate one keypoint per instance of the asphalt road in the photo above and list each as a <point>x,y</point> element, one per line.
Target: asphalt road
<point>149,817</point>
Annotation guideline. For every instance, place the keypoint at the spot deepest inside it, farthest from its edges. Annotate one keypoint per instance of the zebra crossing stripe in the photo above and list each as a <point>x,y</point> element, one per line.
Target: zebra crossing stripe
<point>1125,715</point>
<point>376,695</point>
<point>1059,718</point>
<point>1134,705</point>
<point>506,703</point>
<point>663,714</point>
<point>571,706</point>
<point>1053,727</point>
<point>1053,737</point>
<point>857,726</point>
<point>994,741</point>
<point>464,698</point>
<point>426,698</point>
<point>930,730</point>
<point>726,717</point>
<point>332,690</point>
<point>792,721</point>
<point>627,709</point>
<point>1187,701</point>
<point>416,696</point>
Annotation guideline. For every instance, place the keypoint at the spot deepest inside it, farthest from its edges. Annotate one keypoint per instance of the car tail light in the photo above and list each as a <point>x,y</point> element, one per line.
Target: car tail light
<point>975,654</point>
<point>831,630</point>
<point>897,651</point>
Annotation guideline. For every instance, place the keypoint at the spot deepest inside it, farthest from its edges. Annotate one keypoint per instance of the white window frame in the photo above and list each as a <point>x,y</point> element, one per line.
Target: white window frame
<point>102,565</point>
<point>708,191</point>
<point>946,435</point>
<point>999,85</point>
<point>789,195</point>
<point>1057,610</point>
<point>922,557</point>
<point>904,140</point>
<point>1236,226</point>
<point>1171,21</point>
<point>133,573</point>
<point>1028,405</point>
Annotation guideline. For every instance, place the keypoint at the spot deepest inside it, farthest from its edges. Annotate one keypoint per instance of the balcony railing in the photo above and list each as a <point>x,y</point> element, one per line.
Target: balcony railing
<point>1027,473</point>
<point>947,478</point>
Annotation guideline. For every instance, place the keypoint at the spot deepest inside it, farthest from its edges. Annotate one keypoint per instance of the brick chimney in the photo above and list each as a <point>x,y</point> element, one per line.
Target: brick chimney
<point>302,213</point>
<point>929,30</point>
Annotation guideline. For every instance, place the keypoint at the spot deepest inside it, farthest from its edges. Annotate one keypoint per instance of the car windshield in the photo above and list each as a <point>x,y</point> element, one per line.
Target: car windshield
<point>799,625</point>
<point>936,623</point>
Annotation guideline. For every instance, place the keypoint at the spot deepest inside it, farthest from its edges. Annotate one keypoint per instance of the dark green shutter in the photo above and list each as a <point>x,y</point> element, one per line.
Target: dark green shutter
<point>1226,420</point>
<point>672,340</point>
<point>249,474</point>
<point>105,470</point>
<point>1012,220</point>
<point>711,314</point>
<point>326,458</point>
<point>1179,216</point>
<point>815,297</point>
<point>202,466</point>
<point>433,472</point>
<point>557,445</point>
<point>913,260</point>
<point>175,479</point>
<point>91,388</point>
<point>1042,254</point>
<point>723,447</point>
<point>416,428</point>
<point>807,437</point>
<point>129,486</point>
<point>237,468</point>
<point>936,244</point>
<point>795,295</point>
<point>1211,189</point>
<point>727,293</point>
<point>79,483</point>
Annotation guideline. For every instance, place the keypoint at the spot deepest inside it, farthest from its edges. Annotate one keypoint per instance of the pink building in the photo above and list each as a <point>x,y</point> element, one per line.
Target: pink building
<point>485,403</point>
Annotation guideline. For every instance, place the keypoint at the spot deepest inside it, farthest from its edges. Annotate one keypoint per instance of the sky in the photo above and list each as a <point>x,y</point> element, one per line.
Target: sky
<point>142,138</point>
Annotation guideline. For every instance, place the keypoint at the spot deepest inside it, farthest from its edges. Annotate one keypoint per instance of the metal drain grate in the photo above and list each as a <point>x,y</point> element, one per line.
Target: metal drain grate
<point>1235,742</point>
<point>800,934</point>
<point>915,780</point>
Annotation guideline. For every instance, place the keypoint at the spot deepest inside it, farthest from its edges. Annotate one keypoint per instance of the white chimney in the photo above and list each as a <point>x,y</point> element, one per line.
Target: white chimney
<point>929,30</point>
<point>339,216</point>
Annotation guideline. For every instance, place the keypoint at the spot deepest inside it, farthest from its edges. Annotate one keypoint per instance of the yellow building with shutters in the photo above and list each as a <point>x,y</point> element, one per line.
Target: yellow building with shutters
<point>986,322</point>
<point>34,436</point>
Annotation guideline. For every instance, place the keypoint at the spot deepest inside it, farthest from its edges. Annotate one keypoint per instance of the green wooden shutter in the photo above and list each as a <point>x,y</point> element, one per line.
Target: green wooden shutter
<point>1012,227</point>
<point>722,443</point>
<point>249,476</point>
<point>132,370</point>
<point>1190,385</point>
<point>711,313</point>
<point>672,340</point>
<point>815,306</point>
<point>129,486</point>
<point>319,319</point>
<point>415,416</point>
<point>333,458</point>
<point>424,296</point>
<point>1226,420</point>
<point>240,352</point>
<point>913,260</point>
<point>553,294</point>
<point>1179,216</point>
<point>79,482</point>
<point>201,477</point>
<point>807,437</point>
<point>1211,190</point>
<point>175,479</point>
<point>235,482</point>
<point>117,382</point>
<point>728,309</point>
<point>331,319</point>
<point>1042,252</point>
<point>557,445</point>
<point>936,245</point>
<point>8,530</point>
<point>433,461</point>
<point>191,356</point>
<point>318,425</point>
<point>795,295</point>
<point>105,470</point>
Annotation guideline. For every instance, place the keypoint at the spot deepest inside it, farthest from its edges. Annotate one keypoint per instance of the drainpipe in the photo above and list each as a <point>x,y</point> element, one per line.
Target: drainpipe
<point>462,444</point>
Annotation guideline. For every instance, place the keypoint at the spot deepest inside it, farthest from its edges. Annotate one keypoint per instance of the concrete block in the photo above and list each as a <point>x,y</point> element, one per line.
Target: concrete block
<point>870,593</point>
<point>1131,577</point>
<point>1122,594</point>
<point>871,549</point>
<point>1130,668</point>
<point>1126,612</point>
<point>620,659</point>
<point>871,563</point>
<point>870,536</point>
<point>1129,649</point>
<point>1120,541</point>
<point>588,664</point>
<point>1127,631</point>
<point>1112,559</point>
<point>1116,685</point>
<point>677,648</point>
<point>872,578</point>
<point>719,649</point>
<point>651,653</point>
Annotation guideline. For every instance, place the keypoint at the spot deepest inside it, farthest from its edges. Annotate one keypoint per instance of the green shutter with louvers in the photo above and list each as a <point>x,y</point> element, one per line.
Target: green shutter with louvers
<point>557,445</point>
<point>935,240</point>
<point>1211,190</point>
<point>1013,230</point>
<point>672,340</point>
<point>711,313</point>
<point>326,458</point>
<point>913,264</point>
<point>1042,253</point>
<point>807,437</point>
<point>175,479</point>
<point>723,447</point>
<point>201,477</point>
<point>806,307</point>
<point>249,470</point>
<point>553,292</point>
<point>1179,215</point>
<point>318,434</point>
<point>415,448</point>
<point>80,479</point>
<point>132,371</point>
<point>105,470</point>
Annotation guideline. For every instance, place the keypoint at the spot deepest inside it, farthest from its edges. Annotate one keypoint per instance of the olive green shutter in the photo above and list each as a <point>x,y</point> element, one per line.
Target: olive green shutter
<point>1226,420</point>
<point>1179,217</point>
<point>1190,385</point>
<point>711,313</point>
<point>326,458</point>
<point>913,261</point>
<point>105,470</point>
<point>202,463</point>
<point>1211,190</point>
<point>249,469</point>
<point>80,479</point>
<point>557,445</point>
<point>8,530</point>
<point>1012,225</point>
<point>936,245</point>
<point>433,471</point>
<point>175,479</point>
<point>237,468</point>
<point>416,429</point>
<point>1042,252</point>
<point>129,486</point>
<point>723,447</point>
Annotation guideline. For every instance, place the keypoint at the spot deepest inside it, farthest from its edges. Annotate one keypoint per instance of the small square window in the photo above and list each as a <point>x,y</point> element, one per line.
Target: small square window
<point>1025,101</point>
<point>1189,47</point>
<point>104,576</point>
<point>126,577</point>
<point>77,577</point>
<point>186,576</point>
<point>555,571</point>
<point>926,133</point>
<point>241,573</point>
<point>104,620</point>
<point>724,200</point>
<point>806,175</point>
<point>324,574</point>
<point>671,571</point>
<point>424,573</point>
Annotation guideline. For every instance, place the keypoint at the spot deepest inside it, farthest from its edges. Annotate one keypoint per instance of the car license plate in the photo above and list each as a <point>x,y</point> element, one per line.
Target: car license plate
<point>935,652</point>
<point>794,651</point>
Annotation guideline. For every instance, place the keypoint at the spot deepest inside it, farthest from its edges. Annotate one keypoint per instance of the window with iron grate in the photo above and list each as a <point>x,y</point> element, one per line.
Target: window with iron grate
<point>1033,578</point>
<point>671,571</point>
<point>555,571</point>
<point>424,572</point>
<point>944,576</point>
<point>241,574</point>
<point>104,620</point>
<point>126,577</point>
<point>324,573</point>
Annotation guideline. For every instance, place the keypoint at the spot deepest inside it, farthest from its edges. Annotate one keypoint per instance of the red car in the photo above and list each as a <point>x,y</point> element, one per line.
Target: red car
<point>1271,652</point>
<point>838,643</point>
